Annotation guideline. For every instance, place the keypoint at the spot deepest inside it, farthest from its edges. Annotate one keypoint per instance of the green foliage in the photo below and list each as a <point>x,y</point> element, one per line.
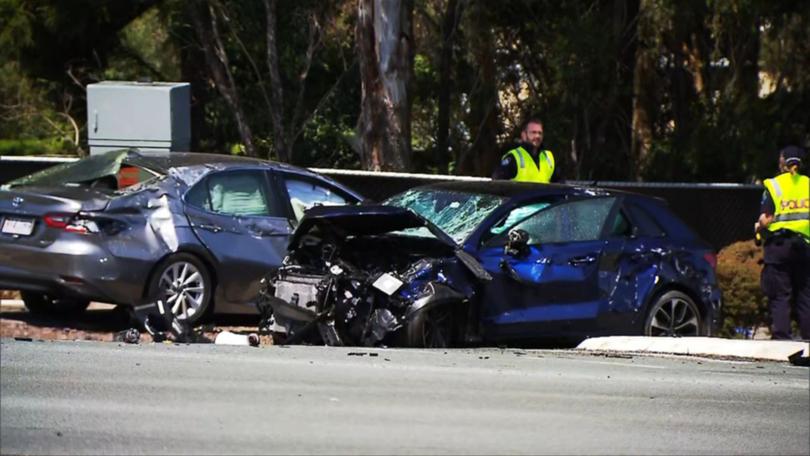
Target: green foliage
<point>728,78</point>
<point>738,272</point>
<point>33,147</point>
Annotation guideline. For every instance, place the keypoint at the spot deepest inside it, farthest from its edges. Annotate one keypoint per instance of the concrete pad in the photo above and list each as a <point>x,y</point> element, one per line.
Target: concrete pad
<point>776,350</point>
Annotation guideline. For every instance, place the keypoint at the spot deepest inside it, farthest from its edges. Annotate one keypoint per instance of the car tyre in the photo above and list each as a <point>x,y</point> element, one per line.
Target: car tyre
<point>674,314</point>
<point>45,304</point>
<point>186,285</point>
<point>432,328</point>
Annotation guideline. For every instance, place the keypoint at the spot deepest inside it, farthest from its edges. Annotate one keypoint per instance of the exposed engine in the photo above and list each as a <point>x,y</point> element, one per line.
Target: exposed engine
<point>353,290</point>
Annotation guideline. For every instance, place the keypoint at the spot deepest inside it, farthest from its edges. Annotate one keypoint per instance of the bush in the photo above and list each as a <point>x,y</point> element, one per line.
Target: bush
<point>744,306</point>
<point>27,147</point>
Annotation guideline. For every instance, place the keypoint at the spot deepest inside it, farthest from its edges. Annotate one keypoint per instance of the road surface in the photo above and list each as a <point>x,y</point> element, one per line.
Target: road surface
<point>110,398</point>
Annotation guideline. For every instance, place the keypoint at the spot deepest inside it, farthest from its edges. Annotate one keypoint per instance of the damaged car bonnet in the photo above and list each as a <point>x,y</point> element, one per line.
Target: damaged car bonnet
<point>357,275</point>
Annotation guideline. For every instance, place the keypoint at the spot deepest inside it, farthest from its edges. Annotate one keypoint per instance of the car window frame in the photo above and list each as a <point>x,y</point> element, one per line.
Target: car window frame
<point>268,189</point>
<point>279,179</point>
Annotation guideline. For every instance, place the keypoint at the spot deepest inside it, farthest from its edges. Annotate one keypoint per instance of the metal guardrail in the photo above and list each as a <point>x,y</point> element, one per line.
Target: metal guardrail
<point>721,213</point>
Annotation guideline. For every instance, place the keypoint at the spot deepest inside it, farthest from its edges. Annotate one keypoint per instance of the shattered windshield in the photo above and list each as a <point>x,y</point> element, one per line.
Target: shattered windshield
<point>93,168</point>
<point>455,213</point>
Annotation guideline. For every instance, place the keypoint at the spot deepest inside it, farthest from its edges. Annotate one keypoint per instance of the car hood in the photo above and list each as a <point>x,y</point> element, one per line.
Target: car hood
<point>365,220</point>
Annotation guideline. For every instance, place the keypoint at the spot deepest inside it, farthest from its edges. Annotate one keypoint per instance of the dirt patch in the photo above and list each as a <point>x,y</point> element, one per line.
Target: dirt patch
<point>98,325</point>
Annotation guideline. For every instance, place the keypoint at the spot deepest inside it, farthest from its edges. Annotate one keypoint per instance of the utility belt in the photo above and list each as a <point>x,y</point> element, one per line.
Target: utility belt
<point>781,236</point>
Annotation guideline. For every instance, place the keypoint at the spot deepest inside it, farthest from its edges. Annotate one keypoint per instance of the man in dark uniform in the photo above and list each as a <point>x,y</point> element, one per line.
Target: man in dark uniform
<point>784,224</point>
<point>528,162</point>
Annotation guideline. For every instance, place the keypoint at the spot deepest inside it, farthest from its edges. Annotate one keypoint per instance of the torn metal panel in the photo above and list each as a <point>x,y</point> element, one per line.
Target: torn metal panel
<point>113,227</point>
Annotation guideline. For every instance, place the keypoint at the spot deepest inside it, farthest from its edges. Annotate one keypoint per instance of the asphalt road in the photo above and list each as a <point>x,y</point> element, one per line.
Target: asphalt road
<point>109,398</point>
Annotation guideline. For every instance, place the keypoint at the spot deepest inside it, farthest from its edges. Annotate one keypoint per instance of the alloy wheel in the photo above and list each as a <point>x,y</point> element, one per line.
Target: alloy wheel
<point>184,287</point>
<point>674,316</point>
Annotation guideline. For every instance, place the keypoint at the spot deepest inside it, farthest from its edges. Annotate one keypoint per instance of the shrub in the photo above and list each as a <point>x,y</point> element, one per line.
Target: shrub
<point>54,146</point>
<point>738,270</point>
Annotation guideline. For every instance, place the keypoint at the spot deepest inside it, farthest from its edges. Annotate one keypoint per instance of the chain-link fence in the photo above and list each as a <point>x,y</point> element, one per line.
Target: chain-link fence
<point>720,213</point>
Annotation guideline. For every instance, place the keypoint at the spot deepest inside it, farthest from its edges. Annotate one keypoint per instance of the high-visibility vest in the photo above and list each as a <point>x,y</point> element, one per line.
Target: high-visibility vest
<point>527,170</point>
<point>791,198</point>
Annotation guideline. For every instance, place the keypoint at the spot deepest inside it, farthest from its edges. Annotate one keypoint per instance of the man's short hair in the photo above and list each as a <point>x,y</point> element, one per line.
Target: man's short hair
<point>531,120</point>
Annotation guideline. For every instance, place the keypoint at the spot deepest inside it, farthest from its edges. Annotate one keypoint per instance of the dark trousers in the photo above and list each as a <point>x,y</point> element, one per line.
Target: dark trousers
<point>785,280</point>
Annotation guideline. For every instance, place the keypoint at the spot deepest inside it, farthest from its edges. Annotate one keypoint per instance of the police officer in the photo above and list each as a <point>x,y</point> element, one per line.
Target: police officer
<point>528,162</point>
<point>784,224</point>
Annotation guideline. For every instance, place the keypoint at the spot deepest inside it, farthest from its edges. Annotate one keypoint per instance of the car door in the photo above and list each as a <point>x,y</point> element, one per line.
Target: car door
<point>552,287</point>
<point>243,223</point>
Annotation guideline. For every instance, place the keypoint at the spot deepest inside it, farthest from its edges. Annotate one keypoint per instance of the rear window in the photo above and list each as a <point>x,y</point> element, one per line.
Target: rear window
<point>107,170</point>
<point>671,224</point>
<point>647,226</point>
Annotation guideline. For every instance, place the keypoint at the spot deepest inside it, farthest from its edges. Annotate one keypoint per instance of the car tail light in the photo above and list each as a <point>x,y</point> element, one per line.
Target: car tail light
<point>711,258</point>
<point>58,220</point>
<point>72,223</point>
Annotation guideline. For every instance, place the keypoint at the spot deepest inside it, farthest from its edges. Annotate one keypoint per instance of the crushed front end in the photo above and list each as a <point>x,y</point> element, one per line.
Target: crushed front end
<point>352,277</point>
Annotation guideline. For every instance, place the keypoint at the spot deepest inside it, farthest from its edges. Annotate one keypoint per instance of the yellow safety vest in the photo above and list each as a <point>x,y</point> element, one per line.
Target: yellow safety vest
<point>527,170</point>
<point>791,198</point>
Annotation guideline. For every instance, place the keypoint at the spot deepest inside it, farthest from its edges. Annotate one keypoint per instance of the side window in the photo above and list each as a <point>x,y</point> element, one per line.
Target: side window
<point>576,221</point>
<point>234,193</point>
<point>647,226</point>
<point>305,193</point>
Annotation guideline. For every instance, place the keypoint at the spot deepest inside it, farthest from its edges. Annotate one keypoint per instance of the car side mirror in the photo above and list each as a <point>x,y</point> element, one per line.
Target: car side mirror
<point>634,232</point>
<point>517,244</point>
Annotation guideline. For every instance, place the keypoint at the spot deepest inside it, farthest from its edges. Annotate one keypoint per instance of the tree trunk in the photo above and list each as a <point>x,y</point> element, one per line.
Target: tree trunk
<point>205,24</point>
<point>483,154</point>
<point>644,93</point>
<point>449,27</point>
<point>643,112</point>
<point>276,113</point>
<point>383,38</point>
<point>192,70</point>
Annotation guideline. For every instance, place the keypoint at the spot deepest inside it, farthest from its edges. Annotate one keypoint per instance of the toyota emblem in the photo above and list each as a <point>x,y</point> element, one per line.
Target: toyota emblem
<point>17,201</point>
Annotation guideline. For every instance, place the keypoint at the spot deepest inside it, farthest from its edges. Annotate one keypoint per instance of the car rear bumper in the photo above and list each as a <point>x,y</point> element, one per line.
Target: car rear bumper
<point>73,268</point>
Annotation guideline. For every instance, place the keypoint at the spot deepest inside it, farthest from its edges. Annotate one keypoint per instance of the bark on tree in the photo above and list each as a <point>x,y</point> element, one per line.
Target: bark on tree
<point>204,19</point>
<point>383,37</point>
<point>449,28</point>
<point>276,91</point>
<point>688,78</point>
<point>644,93</point>
<point>643,112</point>
<point>483,154</point>
<point>285,133</point>
<point>613,130</point>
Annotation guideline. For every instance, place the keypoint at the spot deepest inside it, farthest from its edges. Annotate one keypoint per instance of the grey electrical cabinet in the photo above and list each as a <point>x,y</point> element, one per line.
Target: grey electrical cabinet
<point>146,115</point>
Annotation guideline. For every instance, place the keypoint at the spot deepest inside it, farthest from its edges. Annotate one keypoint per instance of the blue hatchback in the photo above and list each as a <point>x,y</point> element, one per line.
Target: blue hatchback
<point>454,263</point>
